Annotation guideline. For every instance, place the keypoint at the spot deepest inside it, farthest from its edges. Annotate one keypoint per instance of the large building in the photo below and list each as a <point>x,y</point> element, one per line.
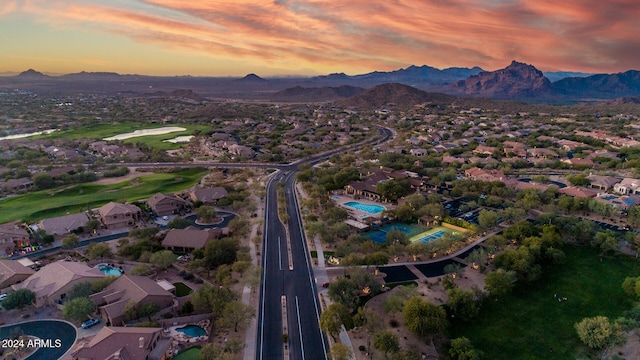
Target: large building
<point>129,290</point>
<point>13,272</point>
<point>118,343</point>
<point>54,280</point>
<point>162,204</point>
<point>116,216</point>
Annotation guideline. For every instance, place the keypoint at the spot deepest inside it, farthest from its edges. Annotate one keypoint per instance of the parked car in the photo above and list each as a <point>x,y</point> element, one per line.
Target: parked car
<point>89,323</point>
<point>325,285</point>
<point>3,296</point>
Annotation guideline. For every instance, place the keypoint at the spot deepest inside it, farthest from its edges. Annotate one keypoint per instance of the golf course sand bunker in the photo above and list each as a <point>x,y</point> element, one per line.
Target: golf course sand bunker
<point>180,139</point>
<point>146,132</point>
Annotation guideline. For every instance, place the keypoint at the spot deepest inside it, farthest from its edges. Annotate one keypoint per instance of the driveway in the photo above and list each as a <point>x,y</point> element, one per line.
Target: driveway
<point>54,332</point>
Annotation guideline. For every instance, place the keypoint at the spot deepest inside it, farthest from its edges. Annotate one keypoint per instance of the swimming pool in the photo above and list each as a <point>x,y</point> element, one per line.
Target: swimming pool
<point>109,270</point>
<point>368,208</point>
<point>192,330</point>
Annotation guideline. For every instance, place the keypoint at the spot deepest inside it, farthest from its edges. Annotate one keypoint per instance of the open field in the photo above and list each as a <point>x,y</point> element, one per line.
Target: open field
<point>72,199</point>
<point>101,131</point>
<point>531,322</point>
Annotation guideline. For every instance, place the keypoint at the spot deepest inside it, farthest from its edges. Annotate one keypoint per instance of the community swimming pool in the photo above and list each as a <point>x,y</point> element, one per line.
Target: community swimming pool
<point>368,208</point>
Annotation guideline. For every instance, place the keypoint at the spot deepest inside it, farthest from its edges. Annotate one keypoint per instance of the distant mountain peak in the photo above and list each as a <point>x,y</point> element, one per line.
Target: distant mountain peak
<point>252,77</point>
<point>518,80</point>
<point>31,73</point>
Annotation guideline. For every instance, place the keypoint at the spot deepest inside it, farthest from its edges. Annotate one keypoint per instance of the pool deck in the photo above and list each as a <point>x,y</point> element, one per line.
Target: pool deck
<point>356,214</point>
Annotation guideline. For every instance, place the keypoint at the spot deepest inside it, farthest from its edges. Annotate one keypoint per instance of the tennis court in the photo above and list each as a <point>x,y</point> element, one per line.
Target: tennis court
<point>433,234</point>
<point>380,236</point>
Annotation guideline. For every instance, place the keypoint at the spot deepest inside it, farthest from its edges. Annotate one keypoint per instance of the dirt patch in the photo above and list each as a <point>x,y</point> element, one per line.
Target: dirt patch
<point>432,291</point>
<point>631,348</point>
<point>133,173</point>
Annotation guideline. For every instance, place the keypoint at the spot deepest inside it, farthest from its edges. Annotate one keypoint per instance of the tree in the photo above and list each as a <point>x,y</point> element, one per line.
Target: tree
<point>488,219</point>
<point>386,342</point>
<point>597,332</point>
<point>222,251</point>
<point>423,318</point>
<point>213,299</point>
<point>340,351</point>
<point>212,351</point>
<point>19,299</point>
<point>178,223</point>
<point>148,309</point>
<point>463,304</point>
<point>396,236</point>
<point>241,266</point>
<point>333,318</point>
<point>92,224</point>
<point>99,250</point>
<point>236,315</point>
<point>500,283</point>
<point>606,241</point>
<point>393,189</point>
<point>43,181</point>
<point>163,258</point>
<point>78,309</point>
<point>70,241</point>
<point>462,349</point>
<point>206,214</point>
<point>343,291</point>
<point>83,289</point>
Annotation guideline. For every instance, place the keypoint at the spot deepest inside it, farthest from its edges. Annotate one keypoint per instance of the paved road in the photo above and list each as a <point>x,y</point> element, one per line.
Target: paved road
<point>294,279</point>
<point>59,336</point>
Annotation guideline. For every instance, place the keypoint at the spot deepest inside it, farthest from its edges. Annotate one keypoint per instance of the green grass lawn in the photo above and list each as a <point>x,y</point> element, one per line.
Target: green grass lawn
<point>182,289</point>
<point>191,354</point>
<point>101,131</point>
<point>528,323</point>
<point>73,199</point>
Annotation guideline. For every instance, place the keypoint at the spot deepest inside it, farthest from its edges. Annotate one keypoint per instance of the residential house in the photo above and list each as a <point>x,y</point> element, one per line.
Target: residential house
<point>418,152</point>
<point>122,343</point>
<point>54,280</point>
<point>578,192</point>
<point>543,153</point>
<point>619,202</point>
<point>162,204</point>
<point>208,196</point>
<point>189,239</point>
<point>627,186</point>
<point>13,272</point>
<point>115,215</point>
<point>17,185</point>
<point>485,175</point>
<point>11,236</point>
<point>129,290</point>
<point>63,225</point>
<point>602,182</point>
<point>484,150</point>
<point>575,162</point>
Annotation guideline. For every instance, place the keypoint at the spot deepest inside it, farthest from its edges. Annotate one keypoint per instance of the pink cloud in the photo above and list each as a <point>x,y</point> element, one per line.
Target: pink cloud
<point>587,35</point>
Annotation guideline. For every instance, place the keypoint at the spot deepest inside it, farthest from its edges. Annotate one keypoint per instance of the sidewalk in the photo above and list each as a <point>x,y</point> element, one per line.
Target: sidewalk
<point>250,341</point>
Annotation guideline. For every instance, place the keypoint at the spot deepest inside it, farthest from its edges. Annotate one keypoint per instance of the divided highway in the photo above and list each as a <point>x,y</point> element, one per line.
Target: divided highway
<point>292,279</point>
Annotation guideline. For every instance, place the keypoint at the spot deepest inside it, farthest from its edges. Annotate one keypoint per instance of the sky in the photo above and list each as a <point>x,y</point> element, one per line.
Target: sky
<point>310,37</point>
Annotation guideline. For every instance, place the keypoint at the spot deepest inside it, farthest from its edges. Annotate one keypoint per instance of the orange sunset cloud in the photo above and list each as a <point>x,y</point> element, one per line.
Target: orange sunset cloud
<point>356,36</point>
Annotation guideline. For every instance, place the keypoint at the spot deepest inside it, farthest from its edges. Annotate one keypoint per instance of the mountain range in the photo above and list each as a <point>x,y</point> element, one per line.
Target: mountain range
<point>517,81</point>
